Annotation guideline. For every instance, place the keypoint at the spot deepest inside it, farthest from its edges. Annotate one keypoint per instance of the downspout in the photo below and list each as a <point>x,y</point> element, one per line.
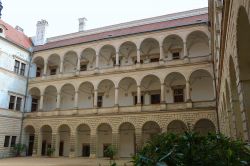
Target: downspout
<point>26,95</point>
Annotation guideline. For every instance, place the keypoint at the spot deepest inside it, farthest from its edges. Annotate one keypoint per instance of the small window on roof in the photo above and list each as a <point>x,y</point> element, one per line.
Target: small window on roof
<point>1,30</point>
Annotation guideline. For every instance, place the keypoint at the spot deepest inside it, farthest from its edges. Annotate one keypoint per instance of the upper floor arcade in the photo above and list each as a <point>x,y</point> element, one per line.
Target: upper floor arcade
<point>162,48</point>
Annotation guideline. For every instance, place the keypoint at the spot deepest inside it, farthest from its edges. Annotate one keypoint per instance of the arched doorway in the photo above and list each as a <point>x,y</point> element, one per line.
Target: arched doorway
<point>127,139</point>
<point>127,92</point>
<point>104,137</point>
<point>204,126</point>
<point>64,140</point>
<point>29,137</point>
<point>46,138</point>
<point>149,130</point>
<point>83,140</point>
<point>176,127</point>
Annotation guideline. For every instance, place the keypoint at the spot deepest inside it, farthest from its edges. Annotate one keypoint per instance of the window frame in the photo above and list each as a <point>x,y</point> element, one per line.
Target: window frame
<point>22,69</point>
<point>16,106</point>
<point>13,143</point>
<point>17,66</point>
<point>6,142</point>
<point>175,96</point>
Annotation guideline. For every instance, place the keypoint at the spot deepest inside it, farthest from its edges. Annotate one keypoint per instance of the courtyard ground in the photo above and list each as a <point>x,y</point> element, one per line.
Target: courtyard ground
<point>44,161</point>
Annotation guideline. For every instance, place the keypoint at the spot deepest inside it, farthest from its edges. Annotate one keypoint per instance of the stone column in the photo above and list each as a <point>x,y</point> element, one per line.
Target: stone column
<point>116,96</point>
<point>72,145</point>
<point>76,99</point>
<point>41,103</point>
<point>138,140</point>
<point>116,142</point>
<point>139,95</point>
<point>55,144</point>
<point>138,56</point>
<point>188,96</point>
<point>117,59</point>
<point>39,144</point>
<point>163,99</point>
<point>35,145</point>
<point>97,62</point>
<point>161,53</point>
<point>93,145</point>
<point>58,101</point>
<point>214,89</point>
<point>95,98</point>
<point>78,64</point>
<point>61,67</point>
<point>185,52</point>
<point>45,69</point>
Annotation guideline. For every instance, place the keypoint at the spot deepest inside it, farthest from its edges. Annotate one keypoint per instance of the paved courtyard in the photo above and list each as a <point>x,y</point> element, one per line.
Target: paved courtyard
<point>33,161</point>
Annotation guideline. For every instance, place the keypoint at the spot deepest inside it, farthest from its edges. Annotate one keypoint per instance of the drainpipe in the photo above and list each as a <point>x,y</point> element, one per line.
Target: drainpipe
<point>26,95</point>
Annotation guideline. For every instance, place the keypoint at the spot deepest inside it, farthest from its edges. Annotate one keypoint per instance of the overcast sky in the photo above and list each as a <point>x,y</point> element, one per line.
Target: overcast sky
<point>63,15</point>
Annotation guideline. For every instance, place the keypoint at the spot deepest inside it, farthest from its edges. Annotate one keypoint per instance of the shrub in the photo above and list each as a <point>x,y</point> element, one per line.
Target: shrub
<point>191,149</point>
<point>50,151</point>
<point>110,152</point>
<point>19,148</point>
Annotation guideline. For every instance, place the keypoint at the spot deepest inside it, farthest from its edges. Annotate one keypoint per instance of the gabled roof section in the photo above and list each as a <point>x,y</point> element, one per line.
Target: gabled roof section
<point>15,36</point>
<point>192,17</point>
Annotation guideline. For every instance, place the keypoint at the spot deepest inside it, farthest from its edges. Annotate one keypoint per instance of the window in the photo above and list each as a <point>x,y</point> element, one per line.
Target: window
<point>178,95</point>
<point>154,60</point>
<point>155,98</point>
<point>22,70</point>
<point>6,141</point>
<point>83,67</point>
<point>16,67</point>
<point>18,103</point>
<point>34,105</point>
<point>12,102</point>
<point>38,72</point>
<point>176,55</point>
<point>1,30</point>
<point>13,141</point>
<point>53,71</point>
<point>99,101</point>
<point>135,100</point>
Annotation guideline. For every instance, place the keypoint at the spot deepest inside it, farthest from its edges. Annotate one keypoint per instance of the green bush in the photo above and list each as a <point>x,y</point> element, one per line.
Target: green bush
<point>191,149</point>
<point>110,152</point>
<point>50,151</point>
<point>19,148</point>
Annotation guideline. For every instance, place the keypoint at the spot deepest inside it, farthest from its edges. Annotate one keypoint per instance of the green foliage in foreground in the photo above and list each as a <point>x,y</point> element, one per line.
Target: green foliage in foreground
<point>191,149</point>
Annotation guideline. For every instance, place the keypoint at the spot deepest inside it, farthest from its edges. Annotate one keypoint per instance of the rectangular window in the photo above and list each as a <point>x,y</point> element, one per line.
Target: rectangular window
<point>38,72</point>
<point>18,103</point>
<point>34,105</point>
<point>16,67</point>
<point>155,99</point>
<point>176,55</point>
<point>135,100</point>
<point>178,95</point>
<point>99,101</point>
<point>53,71</point>
<point>6,141</point>
<point>154,60</point>
<point>22,70</point>
<point>12,102</point>
<point>13,141</point>
<point>83,67</point>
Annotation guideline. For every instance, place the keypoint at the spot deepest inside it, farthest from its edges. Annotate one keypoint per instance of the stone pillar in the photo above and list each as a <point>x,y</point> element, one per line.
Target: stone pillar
<point>58,101</point>
<point>163,99</point>
<point>45,69</point>
<point>76,99</point>
<point>185,52</point>
<point>95,98</point>
<point>93,145</point>
<point>138,56</point>
<point>116,96</point>
<point>139,95</point>
<point>214,89</point>
<point>117,59</point>
<point>188,96</point>
<point>72,144</point>
<point>35,145</point>
<point>116,142</point>
<point>55,144</point>
<point>61,67</point>
<point>161,53</point>
<point>78,64</point>
<point>138,140</point>
<point>39,144</point>
<point>41,103</point>
<point>97,62</point>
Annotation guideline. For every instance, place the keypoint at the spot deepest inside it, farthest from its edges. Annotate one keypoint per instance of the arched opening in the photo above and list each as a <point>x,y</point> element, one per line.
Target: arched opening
<point>204,126</point>
<point>39,66</point>
<point>107,56</point>
<point>235,102</point>
<point>150,51</point>
<point>104,137</point>
<point>243,50</point>
<point>67,97</point>
<point>49,98</point>
<point>46,138</point>
<point>70,62</point>
<point>197,44</point>
<point>83,140</point>
<point>149,130</point>
<point>29,137</point>
<point>175,88</point>
<point>176,127</point>
<point>150,90</point>
<point>64,140</point>
<point>202,86</point>
<point>86,95</point>
<point>34,99</point>
<point>127,139</point>
<point>173,47</point>
<point>128,53</point>
<point>106,94</point>
<point>127,92</point>
<point>88,58</point>
<point>53,64</point>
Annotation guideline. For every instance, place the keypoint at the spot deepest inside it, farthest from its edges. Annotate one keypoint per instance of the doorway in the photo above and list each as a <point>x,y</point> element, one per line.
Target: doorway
<point>44,143</point>
<point>85,150</point>
<point>61,148</point>
<point>31,144</point>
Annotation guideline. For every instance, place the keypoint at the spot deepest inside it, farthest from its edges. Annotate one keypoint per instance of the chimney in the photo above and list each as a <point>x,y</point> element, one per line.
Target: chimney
<point>40,38</point>
<point>82,23</point>
<point>19,28</point>
<point>1,7</point>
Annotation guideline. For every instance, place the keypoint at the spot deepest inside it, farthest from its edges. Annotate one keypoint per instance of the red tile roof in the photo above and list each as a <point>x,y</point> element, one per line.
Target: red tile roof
<point>15,36</point>
<point>126,31</point>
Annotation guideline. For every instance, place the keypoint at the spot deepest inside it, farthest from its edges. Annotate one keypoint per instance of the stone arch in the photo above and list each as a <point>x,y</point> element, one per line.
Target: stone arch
<point>106,93</point>
<point>173,47</point>
<point>70,62</point>
<point>28,137</point>
<point>83,140</point>
<point>67,96</point>
<point>53,64</point>
<point>64,139</point>
<point>39,62</point>
<point>177,127</point>
<point>150,50</point>
<point>204,126</point>
<point>46,139</point>
<point>149,130</point>
<point>201,82</point>
<point>86,95</point>
<point>88,59</point>
<point>127,139</point>
<point>50,98</point>
<point>107,56</point>
<point>104,138</point>
<point>127,91</point>
<point>34,99</point>
<point>128,53</point>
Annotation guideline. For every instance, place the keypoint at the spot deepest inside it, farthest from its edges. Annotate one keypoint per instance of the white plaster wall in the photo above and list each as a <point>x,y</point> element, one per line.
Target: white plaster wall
<point>49,102</point>
<point>202,89</point>
<point>126,97</point>
<point>198,49</point>
<point>85,100</point>
<point>109,101</point>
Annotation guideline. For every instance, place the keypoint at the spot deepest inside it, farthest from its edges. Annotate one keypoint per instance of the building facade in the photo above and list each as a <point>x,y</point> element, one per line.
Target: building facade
<point>14,64</point>
<point>230,33</point>
<point>121,85</point>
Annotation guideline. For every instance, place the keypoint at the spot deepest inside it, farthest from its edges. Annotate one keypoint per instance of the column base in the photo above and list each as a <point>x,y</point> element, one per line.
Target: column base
<point>72,155</point>
<point>186,59</point>
<point>189,104</point>
<point>92,156</point>
<point>161,62</point>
